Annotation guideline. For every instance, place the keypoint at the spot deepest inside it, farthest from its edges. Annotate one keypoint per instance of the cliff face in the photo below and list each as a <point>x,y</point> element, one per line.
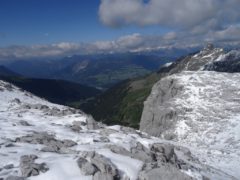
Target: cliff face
<point>204,69</point>
<point>187,102</point>
<point>199,109</point>
<point>160,114</point>
<point>160,121</point>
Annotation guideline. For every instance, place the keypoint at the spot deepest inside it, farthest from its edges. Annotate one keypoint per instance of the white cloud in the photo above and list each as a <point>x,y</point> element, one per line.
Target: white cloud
<point>38,51</point>
<point>192,22</point>
<point>229,36</point>
<point>170,36</point>
<point>231,33</point>
<point>130,41</point>
<point>169,13</point>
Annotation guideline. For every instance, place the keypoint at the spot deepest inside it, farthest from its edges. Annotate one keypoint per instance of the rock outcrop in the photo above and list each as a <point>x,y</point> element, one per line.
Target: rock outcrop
<point>30,168</point>
<point>191,102</point>
<point>50,142</point>
<point>198,108</point>
<point>163,173</point>
<point>229,62</point>
<point>98,166</point>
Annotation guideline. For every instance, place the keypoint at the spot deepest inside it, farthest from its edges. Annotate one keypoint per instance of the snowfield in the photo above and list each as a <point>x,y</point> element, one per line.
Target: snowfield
<point>44,141</point>
<point>18,107</point>
<point>199,110</point>
<point>212,124</point>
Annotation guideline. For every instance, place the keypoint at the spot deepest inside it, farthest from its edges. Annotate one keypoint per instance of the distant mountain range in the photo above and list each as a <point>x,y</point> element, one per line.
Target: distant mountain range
<point>56,91</point>
<point>100,71</point>
<point>6,72</point>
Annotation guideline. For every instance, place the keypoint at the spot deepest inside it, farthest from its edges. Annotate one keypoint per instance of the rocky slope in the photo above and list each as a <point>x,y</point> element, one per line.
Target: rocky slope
<point>229,62</point>
<point>40,140</point>
<point>199,109</point>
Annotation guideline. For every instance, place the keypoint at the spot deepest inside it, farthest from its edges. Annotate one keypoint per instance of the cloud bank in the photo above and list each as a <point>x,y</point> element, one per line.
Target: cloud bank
<point>229,37</point>
<point>192,22</point>
<point>183,14</point>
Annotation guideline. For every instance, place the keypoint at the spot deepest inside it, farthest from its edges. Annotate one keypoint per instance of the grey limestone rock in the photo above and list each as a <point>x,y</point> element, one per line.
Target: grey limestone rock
<point>119,150</point>
<point>51,143</point>
<point>8,87</point>
<point>86,167</point>
<point>104,165</point>
<point>14,178</point>
<point>99,166</point>
<point>139,152</point>
<point>165,151</point>
<point>79,123</point>
<point>107,132</point>
<point>29,168</point>
<point>10,145</point>
<point>50,149</point>
<point>163,173</point>
<point>24,123</point>
<point>16,100</point>
<point>9,166</point>
<point>69,143</point>
<point>76,126</point>
<point>158,115</point>
<point>103,176</point>
<point>128,130</point>
<point>101,140</point>
<point>92,124</point>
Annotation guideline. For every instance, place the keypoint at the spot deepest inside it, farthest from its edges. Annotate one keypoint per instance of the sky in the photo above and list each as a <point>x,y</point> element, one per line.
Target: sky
<point>44,28</point>
<point>29,22</point>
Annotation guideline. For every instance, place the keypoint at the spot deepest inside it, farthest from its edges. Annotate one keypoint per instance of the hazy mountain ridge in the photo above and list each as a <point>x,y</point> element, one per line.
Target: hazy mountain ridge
<point>6,72</point>
<point>103,70</point>
<point>56,91</point>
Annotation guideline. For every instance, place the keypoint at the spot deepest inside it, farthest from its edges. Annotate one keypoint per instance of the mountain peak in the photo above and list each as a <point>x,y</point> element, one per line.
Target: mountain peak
<point>209,47</point>
<point>198,61</point>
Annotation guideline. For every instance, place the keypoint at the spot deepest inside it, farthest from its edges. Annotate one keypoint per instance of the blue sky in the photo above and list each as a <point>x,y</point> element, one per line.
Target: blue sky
<point>27,22</point>
<point>44,28</point>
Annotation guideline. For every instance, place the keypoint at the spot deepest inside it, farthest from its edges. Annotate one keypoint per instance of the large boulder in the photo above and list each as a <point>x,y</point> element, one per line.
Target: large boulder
<point>86,167</point>
<point>92,163</point>
<point>29,168</point>
<point>51,143</point>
